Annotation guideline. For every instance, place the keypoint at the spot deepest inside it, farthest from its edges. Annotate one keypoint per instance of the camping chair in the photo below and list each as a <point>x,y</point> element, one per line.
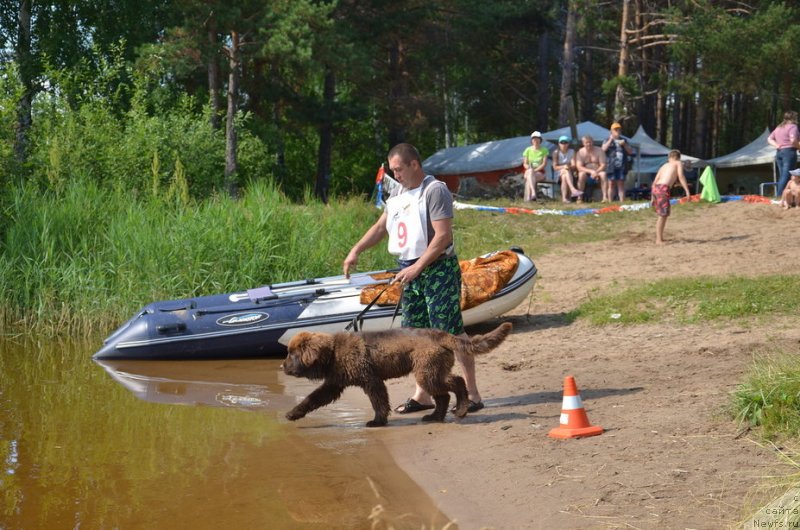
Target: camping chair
<point>549,187</point>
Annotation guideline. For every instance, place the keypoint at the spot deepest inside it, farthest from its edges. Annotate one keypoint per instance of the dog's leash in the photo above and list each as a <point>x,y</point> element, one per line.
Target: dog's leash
<point>357,324</point>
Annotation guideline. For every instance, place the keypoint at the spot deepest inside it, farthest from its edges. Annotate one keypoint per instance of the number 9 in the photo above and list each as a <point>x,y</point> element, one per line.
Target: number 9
<point>402,234</point>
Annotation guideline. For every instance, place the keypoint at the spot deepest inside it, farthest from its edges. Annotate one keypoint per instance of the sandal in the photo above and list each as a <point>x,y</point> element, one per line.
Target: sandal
<point>412,405</point>
<point>473,407</point>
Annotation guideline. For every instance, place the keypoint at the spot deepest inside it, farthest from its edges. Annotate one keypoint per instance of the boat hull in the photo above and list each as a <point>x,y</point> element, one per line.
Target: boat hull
<point>259,323</point>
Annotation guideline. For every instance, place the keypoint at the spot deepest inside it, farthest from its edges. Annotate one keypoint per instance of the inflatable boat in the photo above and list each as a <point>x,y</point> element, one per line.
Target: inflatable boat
<point>258,323</point>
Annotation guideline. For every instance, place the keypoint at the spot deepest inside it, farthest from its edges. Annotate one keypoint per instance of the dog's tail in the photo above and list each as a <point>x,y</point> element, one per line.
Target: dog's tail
<point>485,343</point>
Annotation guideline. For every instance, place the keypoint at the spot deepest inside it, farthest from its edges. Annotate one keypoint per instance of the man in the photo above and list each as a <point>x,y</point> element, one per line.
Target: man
<point>418,219</point>
<point>591,163</point>
<point>617,151</point>
<point>534,159</point>
<point>667,174</point>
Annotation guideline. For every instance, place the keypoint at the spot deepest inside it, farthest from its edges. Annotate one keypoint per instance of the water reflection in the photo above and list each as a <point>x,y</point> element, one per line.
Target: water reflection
<point>183,445</point>
<point>235,384</point>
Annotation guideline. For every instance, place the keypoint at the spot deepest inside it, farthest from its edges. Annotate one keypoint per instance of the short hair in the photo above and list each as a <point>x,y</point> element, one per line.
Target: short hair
<point>587,137</point>
<point>406,152</point>
<point>790,116</point>
<point>674,154</point>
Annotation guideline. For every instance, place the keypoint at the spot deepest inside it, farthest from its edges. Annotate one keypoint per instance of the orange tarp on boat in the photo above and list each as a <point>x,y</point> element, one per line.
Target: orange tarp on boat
<point>481,278</point>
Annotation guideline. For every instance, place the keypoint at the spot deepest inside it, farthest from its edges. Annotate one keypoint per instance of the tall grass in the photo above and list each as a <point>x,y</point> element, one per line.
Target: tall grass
<point>83,256</point>
<point>86,257</point>
<point>769,397</point>
<point>768,401</point>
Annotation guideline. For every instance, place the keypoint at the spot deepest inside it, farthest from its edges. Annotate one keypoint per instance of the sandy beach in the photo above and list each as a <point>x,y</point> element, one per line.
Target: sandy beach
<point>669,457</point>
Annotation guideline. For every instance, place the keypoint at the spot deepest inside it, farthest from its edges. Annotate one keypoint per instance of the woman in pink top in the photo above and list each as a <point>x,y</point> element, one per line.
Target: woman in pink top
<point>786,139</point>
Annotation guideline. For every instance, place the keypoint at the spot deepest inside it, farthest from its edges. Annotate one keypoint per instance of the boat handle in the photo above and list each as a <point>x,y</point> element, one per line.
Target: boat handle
<point>175,326</point>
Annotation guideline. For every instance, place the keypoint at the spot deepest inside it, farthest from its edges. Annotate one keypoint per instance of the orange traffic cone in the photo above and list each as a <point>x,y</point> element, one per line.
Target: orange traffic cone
<point>574,422</point>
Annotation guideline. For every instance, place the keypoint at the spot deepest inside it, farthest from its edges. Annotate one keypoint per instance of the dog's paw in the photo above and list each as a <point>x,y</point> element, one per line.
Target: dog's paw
<point>293,415</point>
<point>377,423</point>
<point>433,417</point>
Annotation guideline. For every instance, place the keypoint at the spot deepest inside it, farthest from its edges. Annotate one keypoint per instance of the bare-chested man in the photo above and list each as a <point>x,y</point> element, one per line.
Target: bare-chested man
<point>662,184</point>
<point>591,163</point>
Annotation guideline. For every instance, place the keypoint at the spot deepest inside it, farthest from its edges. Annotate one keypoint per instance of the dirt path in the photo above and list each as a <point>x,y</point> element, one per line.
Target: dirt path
<point>669,458</point>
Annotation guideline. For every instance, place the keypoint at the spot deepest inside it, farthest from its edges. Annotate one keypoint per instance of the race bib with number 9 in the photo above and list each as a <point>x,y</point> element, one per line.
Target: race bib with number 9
<point>402,234</point>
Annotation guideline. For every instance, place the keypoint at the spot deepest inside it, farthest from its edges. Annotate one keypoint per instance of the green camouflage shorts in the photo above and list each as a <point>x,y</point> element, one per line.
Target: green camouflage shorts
<point>432,300</point>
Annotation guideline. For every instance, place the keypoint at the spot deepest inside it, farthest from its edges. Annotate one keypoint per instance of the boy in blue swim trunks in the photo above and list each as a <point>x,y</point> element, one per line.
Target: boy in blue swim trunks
<point>418,219</point>
<point>662,184</point>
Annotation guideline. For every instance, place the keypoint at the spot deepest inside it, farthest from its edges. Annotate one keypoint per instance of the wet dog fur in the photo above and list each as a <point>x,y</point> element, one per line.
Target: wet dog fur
<point>368,359</point>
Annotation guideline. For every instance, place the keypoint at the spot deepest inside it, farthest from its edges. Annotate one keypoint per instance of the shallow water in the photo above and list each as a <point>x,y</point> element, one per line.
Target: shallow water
<point>189,444</point>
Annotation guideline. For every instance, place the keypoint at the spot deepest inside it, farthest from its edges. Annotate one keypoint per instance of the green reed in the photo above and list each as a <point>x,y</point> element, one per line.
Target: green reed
<point>84,257</point>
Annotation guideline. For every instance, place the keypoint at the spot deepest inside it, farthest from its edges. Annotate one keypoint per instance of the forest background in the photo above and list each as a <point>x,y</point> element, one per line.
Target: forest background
<point>311,93</point>
<point>137,138</point>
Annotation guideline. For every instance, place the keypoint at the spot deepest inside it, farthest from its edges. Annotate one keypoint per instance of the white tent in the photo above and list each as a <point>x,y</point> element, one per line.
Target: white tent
<point>756,159</point>
<point>597,132</point>
<point>653,154</point>
<point>757,152</point>
<point>479,158</point>
<point>648,146</point>
<point>500,154</point>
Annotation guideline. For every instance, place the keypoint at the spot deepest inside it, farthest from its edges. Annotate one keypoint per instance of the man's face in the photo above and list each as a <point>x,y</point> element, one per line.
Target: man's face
<point>587,144</point>
<point>403,173</point>
<point>615,132</point>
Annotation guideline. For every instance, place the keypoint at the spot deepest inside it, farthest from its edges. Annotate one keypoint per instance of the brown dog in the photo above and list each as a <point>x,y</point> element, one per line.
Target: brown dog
<point>368,359</point>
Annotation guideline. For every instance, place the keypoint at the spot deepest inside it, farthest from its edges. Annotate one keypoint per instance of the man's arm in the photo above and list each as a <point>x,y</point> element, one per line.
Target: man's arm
<point>442,238</point>
<point>682,179</point>
<point>607,143</point>
<point>627,147</point>
<point>371,238</point>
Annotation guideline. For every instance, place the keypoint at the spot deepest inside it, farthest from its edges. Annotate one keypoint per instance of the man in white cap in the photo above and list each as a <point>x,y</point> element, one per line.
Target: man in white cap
<point>534,159</point>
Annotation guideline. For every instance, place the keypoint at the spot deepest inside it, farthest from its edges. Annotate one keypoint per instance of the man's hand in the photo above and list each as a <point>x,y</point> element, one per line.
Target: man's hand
<point>407,275</point>
<point>350,262</point>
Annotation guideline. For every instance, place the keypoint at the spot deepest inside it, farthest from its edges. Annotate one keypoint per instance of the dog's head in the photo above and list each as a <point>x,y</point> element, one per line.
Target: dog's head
<point>309,355</point>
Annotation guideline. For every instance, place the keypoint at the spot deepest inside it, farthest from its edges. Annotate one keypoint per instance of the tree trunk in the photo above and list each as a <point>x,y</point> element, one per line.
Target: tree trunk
<point>325,138</point>
<point>24,60</point>
<point>588,82</point>
<point>231,141</point>
<point>620,97</point>
<point>568,64</point>
<point>398,92</point>
<point>543,90</point>
<point>661,109</point>
<point>701,127</point>
<point>213,73</point>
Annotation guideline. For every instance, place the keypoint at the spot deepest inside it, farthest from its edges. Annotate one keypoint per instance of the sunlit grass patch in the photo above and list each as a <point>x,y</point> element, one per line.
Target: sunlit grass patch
<point>769,397</point>
<point>767,403</point>
<point>693,301</point>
